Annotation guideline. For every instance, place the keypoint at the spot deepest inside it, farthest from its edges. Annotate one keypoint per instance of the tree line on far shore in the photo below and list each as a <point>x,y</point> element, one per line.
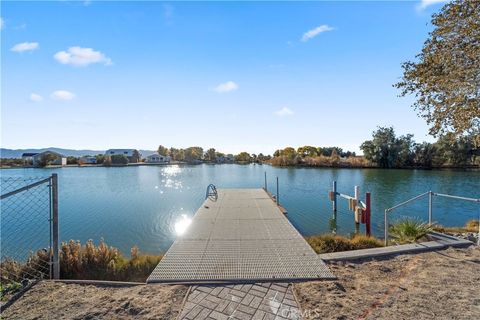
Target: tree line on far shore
<point>387,150</point>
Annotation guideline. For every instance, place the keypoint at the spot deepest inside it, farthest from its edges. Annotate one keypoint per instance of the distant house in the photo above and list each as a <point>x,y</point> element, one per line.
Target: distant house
<point>226,159</point>
<point>28,158</point>
<point>54,158</point>
<point>87,160</point>
<point>157,158</point>
<point>129,153</point>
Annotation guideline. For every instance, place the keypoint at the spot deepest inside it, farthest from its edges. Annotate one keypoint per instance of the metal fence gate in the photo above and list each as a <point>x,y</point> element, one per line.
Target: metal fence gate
<point>29,230</point>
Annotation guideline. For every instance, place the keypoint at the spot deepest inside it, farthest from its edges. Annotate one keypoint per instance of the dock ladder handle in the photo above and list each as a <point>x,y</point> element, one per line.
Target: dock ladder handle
<point>211,192</point>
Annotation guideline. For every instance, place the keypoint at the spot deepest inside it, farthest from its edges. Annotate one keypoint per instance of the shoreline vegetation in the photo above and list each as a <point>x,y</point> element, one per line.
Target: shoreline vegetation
<point>385,150</point>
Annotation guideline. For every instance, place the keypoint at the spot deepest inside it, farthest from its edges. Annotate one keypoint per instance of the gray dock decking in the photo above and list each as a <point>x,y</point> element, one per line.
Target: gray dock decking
<point>242,236</point>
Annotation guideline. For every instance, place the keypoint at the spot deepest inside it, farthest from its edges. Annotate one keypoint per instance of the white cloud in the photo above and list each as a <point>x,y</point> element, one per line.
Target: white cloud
<point>310,34</point>
<point>426,3</point>
<point>78,56</point>
<point>25,46</point>
<point>62,95</point>
<point>35,97</point>
<point>2,23</point>
<point>284,112</point>
<point>226,87</point>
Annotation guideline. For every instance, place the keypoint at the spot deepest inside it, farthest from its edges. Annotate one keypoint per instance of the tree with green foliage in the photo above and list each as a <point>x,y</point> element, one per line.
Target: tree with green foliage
<point>72,160</point>
<point>47,159</point>
<point>307,151</point>
<point>136,156</point>
<point>100,158</point>
<point>243,157</point>
<point>118,159</point>
<point>445,79</point>
<point>387,150</point>
<point>211,155</point>
<point>193,154</point>
<point>162,151</point>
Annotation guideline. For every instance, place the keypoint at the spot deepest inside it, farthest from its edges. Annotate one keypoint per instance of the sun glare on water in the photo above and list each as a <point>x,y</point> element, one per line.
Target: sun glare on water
<point>182,224</point>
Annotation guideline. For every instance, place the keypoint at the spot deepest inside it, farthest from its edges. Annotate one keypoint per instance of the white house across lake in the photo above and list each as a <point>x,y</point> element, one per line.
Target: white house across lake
<point>45,158</point>
<point>157,158</point>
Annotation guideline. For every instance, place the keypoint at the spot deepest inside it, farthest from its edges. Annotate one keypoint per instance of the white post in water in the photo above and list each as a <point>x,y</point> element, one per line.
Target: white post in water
<point>334,201</point>
<point>357,198</point>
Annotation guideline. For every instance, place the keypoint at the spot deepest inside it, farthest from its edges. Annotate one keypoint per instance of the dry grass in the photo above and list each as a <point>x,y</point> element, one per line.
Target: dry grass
<point>470,226</point>
<point>333,243</point>
<point>103,262</point>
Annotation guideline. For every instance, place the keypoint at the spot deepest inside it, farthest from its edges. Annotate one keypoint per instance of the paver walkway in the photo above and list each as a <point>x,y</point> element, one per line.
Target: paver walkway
<point>259,301</point>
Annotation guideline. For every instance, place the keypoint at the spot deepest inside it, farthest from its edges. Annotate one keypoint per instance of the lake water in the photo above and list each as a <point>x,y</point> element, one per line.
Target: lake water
<point>141,205</point>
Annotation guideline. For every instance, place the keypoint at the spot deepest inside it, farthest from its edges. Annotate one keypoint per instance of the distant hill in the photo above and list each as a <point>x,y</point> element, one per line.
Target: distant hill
<point>17,153</point>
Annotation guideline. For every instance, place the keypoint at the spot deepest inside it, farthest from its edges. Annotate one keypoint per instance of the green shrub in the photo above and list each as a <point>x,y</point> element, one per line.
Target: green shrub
<point>332,243</point>
<point>408,230</point>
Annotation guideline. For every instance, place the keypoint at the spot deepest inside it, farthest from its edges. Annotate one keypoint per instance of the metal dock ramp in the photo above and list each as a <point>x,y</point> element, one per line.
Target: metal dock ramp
<point>241,236</point>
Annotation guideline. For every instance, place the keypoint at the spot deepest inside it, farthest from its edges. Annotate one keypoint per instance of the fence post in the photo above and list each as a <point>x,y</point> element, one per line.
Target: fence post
<point>368,212</point>
<point>56,264</point>
<point>430,207</point>
<point>334,201</point>
<point>386,227</point>
<point>266,181</point>
<point>278,195</point>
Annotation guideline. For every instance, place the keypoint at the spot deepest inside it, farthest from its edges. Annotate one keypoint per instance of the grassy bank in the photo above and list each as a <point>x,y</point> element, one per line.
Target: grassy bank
<point>329,243</point>
<point>85,262</point>
<point>470,226</point>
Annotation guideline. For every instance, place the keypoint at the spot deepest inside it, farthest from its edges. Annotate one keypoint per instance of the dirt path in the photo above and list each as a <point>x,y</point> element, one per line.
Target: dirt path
<point>434,285</point>
<point>48,300</point>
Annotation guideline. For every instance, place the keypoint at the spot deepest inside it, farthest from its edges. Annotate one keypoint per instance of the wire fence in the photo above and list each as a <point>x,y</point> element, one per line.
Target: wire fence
<point>29,230</point>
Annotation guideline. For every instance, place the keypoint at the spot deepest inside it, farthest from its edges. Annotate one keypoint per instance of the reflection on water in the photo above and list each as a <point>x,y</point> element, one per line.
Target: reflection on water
<point>150,206</point>
<point>182,224</point>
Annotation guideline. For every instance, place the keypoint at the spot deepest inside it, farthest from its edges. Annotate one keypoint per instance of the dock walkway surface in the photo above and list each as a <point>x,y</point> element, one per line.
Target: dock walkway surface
<point>239,237</point>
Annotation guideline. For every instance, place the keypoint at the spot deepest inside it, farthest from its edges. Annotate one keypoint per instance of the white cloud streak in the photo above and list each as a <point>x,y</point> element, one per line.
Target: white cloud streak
<point>426,3</point>
<point>284,112</point>
<point>2,23</point>
<point>35,97</point>
<point>310,34</point>
<point>226,87</point>
<point>62,95</point>
<point>25,46</point>
<point>80,57</point>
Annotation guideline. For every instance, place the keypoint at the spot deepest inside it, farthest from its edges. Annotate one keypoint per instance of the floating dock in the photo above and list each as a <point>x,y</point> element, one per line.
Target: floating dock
<point>239,236</point>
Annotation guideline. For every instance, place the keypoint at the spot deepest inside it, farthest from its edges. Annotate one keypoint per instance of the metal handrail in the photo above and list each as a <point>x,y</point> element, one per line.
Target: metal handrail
<point>456,197</point>
<point>430,203</point>
<point>211,192</point>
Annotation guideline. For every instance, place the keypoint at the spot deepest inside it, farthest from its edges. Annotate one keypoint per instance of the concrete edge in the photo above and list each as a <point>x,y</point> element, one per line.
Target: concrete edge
<point>442,242</point>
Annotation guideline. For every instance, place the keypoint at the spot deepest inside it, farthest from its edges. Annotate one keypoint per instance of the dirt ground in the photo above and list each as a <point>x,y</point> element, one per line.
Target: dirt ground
<point>434,285</point>
<point>54,300</point>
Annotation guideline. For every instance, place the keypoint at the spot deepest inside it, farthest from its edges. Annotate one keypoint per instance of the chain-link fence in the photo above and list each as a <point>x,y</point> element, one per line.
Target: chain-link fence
<point>29,230</point>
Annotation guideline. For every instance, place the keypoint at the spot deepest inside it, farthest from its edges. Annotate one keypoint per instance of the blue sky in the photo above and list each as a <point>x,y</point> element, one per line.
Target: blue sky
<point>252,76</point>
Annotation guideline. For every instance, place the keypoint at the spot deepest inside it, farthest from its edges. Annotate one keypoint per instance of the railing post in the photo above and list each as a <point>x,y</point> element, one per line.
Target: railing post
<point>266,181</point>
<point>56,264</point>
<point>278,195</point>
<point>368,213</point>
<point>334,201</point>
<point>386,227</point>
<point>430,207</point>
